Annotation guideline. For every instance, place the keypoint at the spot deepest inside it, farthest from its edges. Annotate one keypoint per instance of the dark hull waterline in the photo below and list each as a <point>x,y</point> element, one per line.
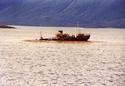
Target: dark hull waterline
<point>54,39</point>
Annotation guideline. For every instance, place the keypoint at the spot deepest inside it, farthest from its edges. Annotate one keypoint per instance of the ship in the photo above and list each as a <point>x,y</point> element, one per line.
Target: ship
<point>60,36</point>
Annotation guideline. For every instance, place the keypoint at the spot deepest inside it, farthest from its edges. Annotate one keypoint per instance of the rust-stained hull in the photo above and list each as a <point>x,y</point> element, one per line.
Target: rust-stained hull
<point>85,38</point>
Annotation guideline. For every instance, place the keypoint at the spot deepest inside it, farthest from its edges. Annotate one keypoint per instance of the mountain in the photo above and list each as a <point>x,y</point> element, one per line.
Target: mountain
<point>89,13</point>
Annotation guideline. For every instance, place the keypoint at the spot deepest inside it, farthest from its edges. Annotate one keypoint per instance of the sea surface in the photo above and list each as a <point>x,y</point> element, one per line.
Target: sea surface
<point>98,62</point>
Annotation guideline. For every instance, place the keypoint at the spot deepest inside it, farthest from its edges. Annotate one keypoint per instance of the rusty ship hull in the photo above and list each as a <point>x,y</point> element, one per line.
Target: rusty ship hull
<point>85,38</point>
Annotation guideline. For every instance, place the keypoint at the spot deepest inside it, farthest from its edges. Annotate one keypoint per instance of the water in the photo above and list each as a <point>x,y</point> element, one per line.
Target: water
<point>99,62</point>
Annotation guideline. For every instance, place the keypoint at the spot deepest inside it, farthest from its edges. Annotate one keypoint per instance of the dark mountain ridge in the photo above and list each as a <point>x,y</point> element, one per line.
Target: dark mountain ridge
<point>89,13</point>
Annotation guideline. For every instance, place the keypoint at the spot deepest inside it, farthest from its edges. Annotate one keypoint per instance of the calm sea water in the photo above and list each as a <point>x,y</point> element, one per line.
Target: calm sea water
<point>99,62</point>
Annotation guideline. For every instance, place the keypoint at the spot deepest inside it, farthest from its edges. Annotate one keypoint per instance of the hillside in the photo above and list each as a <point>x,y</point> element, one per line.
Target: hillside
<point>89,13</point>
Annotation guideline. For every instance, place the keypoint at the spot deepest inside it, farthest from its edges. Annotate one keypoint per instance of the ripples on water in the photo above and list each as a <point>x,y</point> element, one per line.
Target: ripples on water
<point>99,62</point>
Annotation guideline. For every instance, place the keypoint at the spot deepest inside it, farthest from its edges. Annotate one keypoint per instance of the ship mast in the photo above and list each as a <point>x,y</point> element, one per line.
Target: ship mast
<point>41,33</point>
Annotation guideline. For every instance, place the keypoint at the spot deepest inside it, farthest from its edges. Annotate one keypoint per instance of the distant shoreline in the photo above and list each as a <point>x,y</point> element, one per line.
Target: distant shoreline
<point>6,27</point>
<point>16,26</point>
<point>88,27</point>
